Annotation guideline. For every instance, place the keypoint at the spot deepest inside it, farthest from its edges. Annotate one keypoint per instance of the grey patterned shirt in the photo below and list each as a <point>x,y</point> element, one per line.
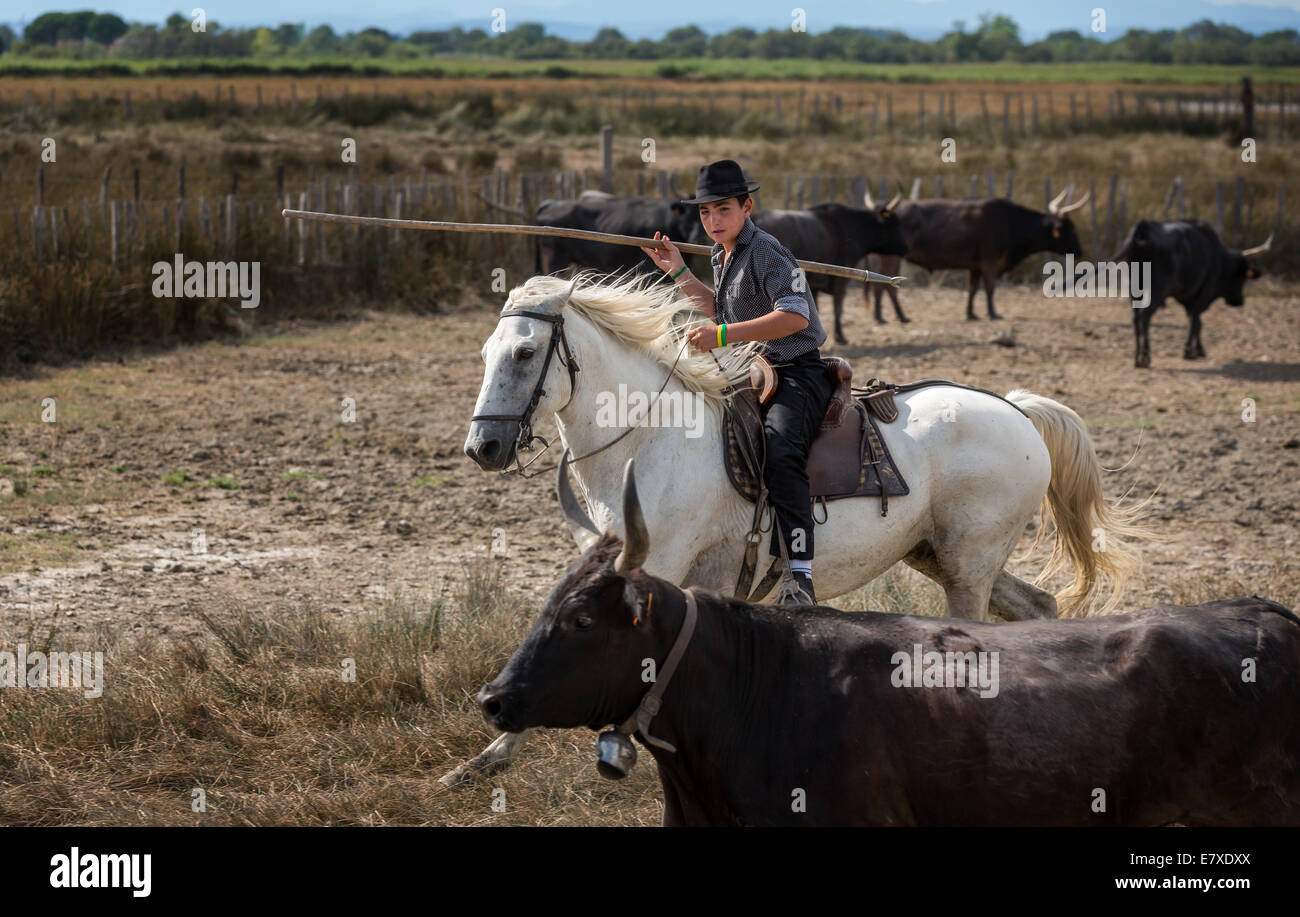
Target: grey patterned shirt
<point>760,277</point>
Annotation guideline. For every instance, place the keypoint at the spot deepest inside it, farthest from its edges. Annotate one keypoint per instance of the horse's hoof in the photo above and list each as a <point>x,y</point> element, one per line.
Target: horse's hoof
<point>904,319</point>
<point>841,339</point>
<point>465,773</point>
<point>993,316</point>
<point>456,777</point>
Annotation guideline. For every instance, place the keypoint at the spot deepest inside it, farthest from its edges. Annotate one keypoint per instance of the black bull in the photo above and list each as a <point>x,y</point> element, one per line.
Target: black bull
<point>834,234</point>
<point>630,216</point>
<point>1190,263</point>
<point>985,236</point>
<point>796,715</point>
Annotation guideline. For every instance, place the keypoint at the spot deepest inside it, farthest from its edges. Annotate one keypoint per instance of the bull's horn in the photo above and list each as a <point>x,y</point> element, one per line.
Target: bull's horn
<point>1055,204</point>
<point>580,524</point>
<point>868,201</point>
<point>1259,249</point>
<point>916,189</point>
<point>893,202</point>
<point>636,546</point>
<point>1075,206</point>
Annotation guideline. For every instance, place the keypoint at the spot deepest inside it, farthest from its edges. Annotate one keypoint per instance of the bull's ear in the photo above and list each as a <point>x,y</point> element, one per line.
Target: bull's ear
<point>1251,273</point>
<point>638,606</point>
<point>886,213</point>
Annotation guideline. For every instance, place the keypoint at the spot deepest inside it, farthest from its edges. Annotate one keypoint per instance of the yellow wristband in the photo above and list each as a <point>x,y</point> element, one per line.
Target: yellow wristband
<point>719,335</point>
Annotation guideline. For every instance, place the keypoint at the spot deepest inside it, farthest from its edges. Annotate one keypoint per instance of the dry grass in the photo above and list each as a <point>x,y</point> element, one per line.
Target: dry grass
<point>257,714</point>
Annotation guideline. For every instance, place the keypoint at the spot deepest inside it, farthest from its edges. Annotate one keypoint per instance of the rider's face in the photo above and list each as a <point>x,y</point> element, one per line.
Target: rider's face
<point>723,220</point>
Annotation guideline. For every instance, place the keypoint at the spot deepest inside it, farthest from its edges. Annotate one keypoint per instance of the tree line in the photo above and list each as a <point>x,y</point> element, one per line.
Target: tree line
<point>994,38</point>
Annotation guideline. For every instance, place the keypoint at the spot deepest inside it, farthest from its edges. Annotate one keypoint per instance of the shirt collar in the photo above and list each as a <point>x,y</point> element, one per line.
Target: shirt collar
<point>742,238</point>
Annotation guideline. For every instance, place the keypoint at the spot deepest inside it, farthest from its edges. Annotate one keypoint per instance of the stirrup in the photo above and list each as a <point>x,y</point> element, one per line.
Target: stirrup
<point>792,593</point>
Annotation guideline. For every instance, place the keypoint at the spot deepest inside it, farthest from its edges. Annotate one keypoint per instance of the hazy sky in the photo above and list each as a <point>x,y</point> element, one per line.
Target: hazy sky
<point>921,18</point>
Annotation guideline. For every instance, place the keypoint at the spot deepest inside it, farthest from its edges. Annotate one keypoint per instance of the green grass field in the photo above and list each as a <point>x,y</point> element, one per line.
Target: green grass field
<point>688,68</point>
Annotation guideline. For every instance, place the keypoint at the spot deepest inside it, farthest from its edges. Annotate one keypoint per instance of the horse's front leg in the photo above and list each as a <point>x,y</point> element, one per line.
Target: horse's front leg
<point>490,760</point>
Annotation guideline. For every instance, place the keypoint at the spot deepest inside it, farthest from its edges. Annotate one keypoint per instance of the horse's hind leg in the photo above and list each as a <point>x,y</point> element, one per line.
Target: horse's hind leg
<point>974,596</point>
<point>966,598</point>
<point>1015,600</point>
<point>490,760</point>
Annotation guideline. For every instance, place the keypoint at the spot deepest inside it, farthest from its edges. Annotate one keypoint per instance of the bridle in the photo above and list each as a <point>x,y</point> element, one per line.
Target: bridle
<point>524,441</point>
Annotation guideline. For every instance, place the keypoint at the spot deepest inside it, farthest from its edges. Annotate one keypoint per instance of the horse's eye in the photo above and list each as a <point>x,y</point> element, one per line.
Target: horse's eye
<point>582,622</point>
<point>524,353</point>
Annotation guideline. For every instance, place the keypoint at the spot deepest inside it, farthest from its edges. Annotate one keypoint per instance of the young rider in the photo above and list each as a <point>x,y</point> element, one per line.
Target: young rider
<point>760,294</point>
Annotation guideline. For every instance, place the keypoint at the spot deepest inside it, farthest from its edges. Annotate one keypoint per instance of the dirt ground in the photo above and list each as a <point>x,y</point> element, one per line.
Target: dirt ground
<point>225,470</point>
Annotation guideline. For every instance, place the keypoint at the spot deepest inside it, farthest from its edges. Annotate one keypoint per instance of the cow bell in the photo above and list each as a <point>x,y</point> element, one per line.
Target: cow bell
<point>615,755</point>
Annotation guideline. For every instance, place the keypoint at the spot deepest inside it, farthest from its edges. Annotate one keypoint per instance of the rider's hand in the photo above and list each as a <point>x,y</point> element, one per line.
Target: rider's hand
<point>704,338</point>
<point>668,259</point>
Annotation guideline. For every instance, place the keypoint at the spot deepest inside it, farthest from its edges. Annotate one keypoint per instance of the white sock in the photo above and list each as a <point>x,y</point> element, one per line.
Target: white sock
<point>801,566</point>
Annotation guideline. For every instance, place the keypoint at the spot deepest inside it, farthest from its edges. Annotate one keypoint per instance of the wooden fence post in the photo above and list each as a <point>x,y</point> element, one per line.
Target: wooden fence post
<point>1092,209</point>
<point>1281,211</point>
<point>607,158</point>
<point>1247,107</point>
<point>38,234</point>
<point>1238,193</point>
<point>112,233</point>
<point>1108,224</point>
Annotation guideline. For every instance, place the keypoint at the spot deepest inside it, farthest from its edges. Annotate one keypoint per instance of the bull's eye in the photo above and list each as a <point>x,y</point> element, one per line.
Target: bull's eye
<point>582,622</point>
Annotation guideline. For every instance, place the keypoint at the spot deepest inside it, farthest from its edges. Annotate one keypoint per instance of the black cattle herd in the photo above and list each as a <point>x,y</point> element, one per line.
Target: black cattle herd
<point>986,237</point>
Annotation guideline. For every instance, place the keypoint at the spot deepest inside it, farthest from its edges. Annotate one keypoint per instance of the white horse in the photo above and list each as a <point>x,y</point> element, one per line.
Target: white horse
<point>978,469</point>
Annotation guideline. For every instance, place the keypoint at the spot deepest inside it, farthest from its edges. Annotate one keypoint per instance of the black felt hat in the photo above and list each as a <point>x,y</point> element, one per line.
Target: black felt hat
<point>719,181</point>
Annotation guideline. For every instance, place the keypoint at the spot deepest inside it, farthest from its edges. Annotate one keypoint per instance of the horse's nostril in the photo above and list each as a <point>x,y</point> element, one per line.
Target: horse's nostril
<point>491,706</point>
<point>489,449</point>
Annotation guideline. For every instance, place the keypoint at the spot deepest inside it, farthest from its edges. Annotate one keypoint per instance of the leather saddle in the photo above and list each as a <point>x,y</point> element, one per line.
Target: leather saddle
<point>848,458</point>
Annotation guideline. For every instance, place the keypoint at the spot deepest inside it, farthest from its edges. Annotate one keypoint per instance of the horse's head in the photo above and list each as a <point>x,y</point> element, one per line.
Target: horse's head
<point>528,371</point>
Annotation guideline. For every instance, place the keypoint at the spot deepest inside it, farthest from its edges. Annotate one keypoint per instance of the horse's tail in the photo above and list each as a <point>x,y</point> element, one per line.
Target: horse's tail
<point>1094,538</point>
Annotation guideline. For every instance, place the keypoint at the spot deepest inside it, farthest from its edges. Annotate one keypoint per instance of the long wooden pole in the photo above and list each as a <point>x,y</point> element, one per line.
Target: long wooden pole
<point>814,267</point>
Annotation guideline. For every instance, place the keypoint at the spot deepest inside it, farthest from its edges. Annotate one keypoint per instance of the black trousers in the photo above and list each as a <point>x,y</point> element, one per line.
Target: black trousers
<point>790,423</point>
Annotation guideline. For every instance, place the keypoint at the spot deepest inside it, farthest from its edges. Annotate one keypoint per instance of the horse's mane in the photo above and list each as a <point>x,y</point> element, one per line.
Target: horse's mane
<point>654,317</point>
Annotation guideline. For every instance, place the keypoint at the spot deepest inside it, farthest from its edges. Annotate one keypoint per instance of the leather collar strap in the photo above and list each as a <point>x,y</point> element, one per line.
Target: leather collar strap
<point>639,721</point>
